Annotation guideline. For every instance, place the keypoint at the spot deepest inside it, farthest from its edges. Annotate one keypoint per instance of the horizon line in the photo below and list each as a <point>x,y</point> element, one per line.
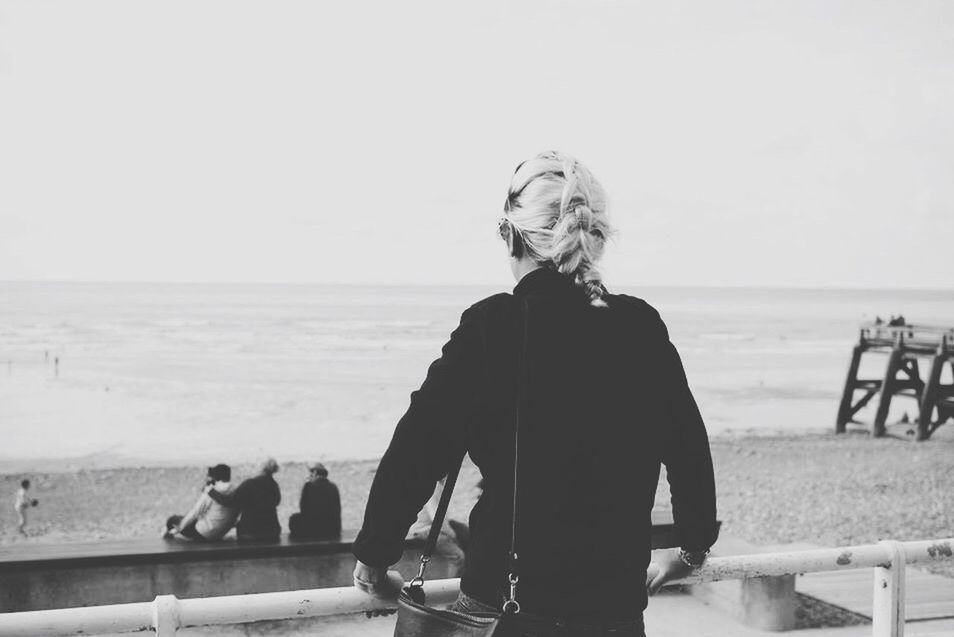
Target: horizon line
<point>834,288</point>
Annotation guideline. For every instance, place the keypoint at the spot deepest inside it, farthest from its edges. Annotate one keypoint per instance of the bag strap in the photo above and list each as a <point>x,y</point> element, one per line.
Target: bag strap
<point>438,521</point>
<point>510,605</point>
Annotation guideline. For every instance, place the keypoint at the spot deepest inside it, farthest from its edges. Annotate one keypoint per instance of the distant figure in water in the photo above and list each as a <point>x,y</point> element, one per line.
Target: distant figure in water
<point>320,504</point>
<point>207,520</point>
<point>56,366</point>
<point>46,356</point>
<point>21,504</point>
<point>257,499</point>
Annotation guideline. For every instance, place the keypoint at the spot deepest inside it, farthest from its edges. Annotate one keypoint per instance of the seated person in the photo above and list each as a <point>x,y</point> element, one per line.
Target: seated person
<point>257,499</point>
<point>320,504</point>
<point>208,520</point>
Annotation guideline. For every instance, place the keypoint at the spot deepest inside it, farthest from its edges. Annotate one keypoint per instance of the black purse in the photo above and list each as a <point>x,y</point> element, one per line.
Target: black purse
<point>414,617</point>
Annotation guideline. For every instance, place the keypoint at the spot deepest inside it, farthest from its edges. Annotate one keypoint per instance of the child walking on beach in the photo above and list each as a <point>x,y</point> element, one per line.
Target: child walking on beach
<point>21,504</point>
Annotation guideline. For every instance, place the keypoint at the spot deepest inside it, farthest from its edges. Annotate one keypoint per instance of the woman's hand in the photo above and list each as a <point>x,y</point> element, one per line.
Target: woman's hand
<point>377,582</point>
<point>666,568</point>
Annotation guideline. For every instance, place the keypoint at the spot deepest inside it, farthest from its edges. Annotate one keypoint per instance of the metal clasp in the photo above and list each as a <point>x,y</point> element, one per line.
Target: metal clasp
<point>512,605</point>
<point>419,579</point>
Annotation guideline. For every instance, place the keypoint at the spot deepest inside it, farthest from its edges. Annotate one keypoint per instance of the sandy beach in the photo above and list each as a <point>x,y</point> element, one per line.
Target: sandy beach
<point>824,489</point>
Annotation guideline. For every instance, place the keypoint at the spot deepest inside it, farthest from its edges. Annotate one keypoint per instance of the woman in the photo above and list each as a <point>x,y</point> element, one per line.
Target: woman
<point>207,520</point>
<point>257,498</point>
<point>604,400</point>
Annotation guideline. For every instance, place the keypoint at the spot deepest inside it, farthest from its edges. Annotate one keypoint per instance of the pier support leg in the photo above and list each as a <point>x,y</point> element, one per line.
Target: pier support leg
<point>928,398</point>
<point>887,390</point>
<point>844,409</point>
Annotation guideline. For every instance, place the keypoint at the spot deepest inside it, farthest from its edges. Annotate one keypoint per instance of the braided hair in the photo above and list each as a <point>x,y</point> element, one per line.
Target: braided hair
<point>559,210</point>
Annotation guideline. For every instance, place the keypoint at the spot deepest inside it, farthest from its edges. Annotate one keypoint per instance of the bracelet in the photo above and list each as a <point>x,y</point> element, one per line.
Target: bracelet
<point>693,559</point>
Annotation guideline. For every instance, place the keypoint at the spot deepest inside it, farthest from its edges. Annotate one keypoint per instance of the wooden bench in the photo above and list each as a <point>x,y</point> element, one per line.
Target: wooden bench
<point>41,576</point>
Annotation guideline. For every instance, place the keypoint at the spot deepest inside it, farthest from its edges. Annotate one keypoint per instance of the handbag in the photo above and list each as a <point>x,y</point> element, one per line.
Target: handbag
<point>414,617</point>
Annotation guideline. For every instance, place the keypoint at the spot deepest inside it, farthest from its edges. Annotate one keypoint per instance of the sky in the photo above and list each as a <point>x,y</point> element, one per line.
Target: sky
<point>785,143</point>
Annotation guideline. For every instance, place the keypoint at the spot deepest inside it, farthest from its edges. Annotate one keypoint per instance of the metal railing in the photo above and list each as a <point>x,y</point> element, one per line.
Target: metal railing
<point>167,614</point>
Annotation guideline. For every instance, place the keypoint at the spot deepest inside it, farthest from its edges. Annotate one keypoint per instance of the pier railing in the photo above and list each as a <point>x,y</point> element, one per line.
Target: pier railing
<point>167,614</point>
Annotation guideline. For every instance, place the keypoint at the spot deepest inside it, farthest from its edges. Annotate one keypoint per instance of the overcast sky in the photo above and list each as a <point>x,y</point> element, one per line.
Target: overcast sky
<point>741,143</point>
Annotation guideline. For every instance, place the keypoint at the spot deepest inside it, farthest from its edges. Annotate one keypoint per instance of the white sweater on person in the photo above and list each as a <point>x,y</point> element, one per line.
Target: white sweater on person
<point>212,520</point>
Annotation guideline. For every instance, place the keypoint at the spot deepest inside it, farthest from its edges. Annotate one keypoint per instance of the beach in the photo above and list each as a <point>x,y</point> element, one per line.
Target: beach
<point>823,489</point>
<point>119,374</point>
<point>115,398</point>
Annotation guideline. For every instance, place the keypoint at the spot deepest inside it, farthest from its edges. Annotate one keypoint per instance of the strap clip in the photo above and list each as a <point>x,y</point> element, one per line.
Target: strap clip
<point>418,580</point>
<point>512,606</point>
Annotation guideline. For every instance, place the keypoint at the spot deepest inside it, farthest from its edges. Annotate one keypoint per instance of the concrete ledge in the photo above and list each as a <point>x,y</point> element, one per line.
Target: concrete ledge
<point>765,603</point>
<point>42,577</point>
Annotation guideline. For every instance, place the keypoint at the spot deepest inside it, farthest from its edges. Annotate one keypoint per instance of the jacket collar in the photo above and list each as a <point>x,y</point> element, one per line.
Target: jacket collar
<point>546,281</point>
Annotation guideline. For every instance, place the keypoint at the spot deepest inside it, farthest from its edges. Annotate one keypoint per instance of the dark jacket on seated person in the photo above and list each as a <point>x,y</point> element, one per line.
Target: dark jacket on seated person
<point>257,498</point>
<point>320,516</point>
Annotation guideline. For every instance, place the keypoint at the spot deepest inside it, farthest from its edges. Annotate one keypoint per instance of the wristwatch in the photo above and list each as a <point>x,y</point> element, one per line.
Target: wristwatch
<point>693,559</point>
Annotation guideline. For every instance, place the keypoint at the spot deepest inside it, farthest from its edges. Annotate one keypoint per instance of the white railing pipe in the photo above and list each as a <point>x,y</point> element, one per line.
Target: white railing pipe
<point>321,602</point>
<point>167,614</point>
<point>819,560</point>
<point>89,620</point>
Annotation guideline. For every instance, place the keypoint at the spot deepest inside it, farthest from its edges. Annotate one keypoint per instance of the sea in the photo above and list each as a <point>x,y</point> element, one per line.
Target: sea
<point>151,374</point>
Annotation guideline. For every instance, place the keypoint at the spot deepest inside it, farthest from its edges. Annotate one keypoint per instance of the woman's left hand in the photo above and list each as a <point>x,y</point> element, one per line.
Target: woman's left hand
<point>377,582</point>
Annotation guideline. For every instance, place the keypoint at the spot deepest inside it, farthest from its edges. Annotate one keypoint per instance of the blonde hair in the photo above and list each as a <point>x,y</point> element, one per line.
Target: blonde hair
<point>269,466</point>
<point>559,210</point>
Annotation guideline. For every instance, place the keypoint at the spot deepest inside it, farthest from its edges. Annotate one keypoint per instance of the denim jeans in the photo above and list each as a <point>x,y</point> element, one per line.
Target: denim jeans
<point>539,626</point>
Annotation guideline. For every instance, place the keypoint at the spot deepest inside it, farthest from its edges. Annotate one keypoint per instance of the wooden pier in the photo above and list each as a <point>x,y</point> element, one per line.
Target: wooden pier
<point>905,346</point>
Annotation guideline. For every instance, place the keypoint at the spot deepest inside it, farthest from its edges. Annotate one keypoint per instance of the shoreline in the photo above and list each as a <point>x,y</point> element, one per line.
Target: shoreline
<point>106,460</point>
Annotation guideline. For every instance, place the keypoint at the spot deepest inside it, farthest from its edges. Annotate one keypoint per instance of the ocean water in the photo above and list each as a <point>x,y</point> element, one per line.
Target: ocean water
<point>185,373</point>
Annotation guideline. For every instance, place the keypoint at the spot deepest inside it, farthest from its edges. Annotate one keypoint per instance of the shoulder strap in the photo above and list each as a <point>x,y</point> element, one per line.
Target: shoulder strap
<point>441,512</point>
<point>511,604</point>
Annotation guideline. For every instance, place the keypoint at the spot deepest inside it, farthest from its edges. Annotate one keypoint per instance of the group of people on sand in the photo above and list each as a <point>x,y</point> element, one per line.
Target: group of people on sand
<point>252,508</point>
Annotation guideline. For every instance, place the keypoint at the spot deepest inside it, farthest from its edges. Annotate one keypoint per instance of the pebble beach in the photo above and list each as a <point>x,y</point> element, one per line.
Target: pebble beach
<point>822,489</point>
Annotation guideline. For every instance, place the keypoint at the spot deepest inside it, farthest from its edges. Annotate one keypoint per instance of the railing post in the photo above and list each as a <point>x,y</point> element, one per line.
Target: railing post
<point>887,615</point>
<point>165,615</point>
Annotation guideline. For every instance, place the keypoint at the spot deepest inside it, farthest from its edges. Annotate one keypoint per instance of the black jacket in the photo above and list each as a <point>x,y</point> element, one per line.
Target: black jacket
<point>258,499</point>
<point>320,506</point>
<point>605,401</point>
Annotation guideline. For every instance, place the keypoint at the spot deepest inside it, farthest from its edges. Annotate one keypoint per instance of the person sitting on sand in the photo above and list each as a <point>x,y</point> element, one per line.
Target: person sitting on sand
<point>257,499</point>
<point>208,520</point>
<point>21,504</point>
<point>320,504</point>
